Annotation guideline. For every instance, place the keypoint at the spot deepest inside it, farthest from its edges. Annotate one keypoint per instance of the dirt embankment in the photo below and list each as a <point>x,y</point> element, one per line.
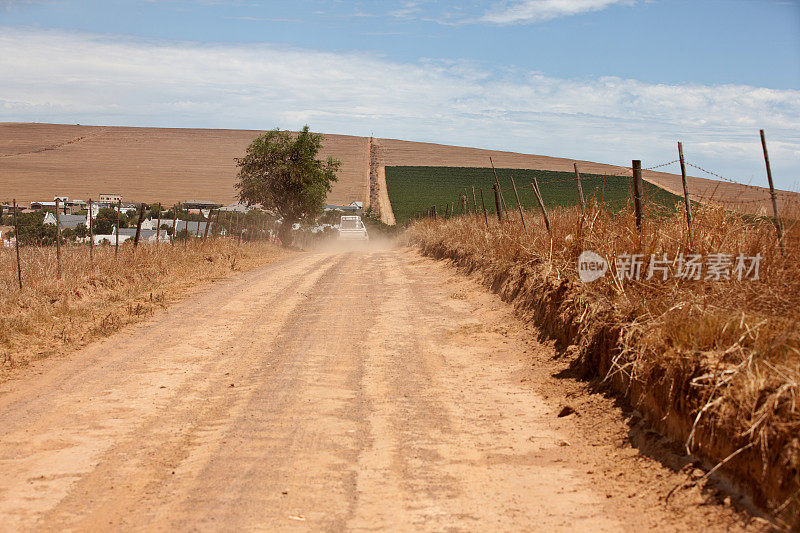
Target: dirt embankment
<point>670,396</point>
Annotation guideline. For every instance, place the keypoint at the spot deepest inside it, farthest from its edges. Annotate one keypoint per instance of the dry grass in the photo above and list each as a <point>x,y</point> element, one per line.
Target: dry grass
<point>714,364</point>
<point>51,315</point>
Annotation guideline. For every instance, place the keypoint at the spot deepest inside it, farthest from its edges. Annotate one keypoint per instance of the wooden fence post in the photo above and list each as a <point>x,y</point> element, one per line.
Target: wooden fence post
<point>208,223</point>
<point>186,240</point>
<point>464,209</point>
<point>138,226</point>
<point>474,201</point>
<point>535,186</point>
<point>686,201</point>
<point>580,187</point>
<point>497,181</point>
<point>158,224</point>
<point>216,224</point>
<point>498,203</point>
<point>637,192</point>
<point>174,223</point>
<point>116,244</point>
<point>434,212</point>
<point>519,205</point>
<point>58,240</point>
<point>485,216</point>
<point>91,235</point>
<point>16,244</point>
<point>778,225</point>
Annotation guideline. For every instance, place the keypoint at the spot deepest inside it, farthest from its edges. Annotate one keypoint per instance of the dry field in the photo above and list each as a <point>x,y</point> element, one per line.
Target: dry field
<point>712,364</point>
<point>38,161</point>
<point>51,316</point>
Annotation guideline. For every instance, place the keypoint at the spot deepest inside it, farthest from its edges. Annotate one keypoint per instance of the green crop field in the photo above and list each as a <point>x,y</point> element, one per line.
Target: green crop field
<point>414,190</point>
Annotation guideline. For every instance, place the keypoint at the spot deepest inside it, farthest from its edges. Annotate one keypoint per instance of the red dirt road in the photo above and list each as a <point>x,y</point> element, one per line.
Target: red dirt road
<point>361,390</point>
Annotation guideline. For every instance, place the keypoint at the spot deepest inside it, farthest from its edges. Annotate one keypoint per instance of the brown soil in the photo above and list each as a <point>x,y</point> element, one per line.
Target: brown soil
<point>358,390</point>
<point>39,161</point>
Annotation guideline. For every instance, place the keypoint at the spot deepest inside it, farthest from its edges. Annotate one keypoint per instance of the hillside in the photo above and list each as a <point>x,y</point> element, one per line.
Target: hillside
<point>38,161</point>
<point>414,189</point>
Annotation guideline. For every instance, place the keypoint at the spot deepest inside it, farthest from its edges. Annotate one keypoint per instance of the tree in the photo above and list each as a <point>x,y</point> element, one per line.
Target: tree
<point>33,231</point>
<point>281,172</point>
<point>105,221</point>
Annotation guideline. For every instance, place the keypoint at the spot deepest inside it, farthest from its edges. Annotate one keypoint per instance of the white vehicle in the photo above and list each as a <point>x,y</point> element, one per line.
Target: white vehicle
<point>351,228</point>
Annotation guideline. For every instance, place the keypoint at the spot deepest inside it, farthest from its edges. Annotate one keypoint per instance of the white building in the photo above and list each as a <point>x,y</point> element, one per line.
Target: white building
<point>128,234</point>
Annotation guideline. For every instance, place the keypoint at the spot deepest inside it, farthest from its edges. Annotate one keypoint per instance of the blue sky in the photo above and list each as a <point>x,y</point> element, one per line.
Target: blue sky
<point>606,80</point>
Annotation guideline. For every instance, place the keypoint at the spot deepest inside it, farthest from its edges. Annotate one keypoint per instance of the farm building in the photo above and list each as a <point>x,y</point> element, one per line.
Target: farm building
<point>353,207</point>
<point>181,225</point>
<point>125,234</point>
<point>110,198</point>
<point>237,208</point>
<point>67,221</point>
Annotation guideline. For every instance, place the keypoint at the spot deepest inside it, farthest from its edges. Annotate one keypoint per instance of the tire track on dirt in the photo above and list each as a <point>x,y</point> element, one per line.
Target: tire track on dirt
<point>372,390</point>
<point>92,421</point>
<point>302,424</point>
<point>57,145</point>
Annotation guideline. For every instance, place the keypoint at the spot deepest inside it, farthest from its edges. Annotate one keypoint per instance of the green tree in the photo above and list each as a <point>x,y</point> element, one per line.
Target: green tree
<point>281,172</point>
<point>33,231</point>
<point>106,220</point>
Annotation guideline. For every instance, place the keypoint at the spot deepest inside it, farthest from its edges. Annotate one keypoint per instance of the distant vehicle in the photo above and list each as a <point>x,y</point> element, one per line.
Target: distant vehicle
<point>351,228</point>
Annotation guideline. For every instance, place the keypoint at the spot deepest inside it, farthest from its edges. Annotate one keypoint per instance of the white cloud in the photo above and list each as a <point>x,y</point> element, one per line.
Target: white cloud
<point>526,11</point>
<point>52,76</point>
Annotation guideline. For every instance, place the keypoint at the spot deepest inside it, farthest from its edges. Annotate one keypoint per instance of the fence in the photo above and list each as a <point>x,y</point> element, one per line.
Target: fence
<point>240,227</point>
<point>637,196</point>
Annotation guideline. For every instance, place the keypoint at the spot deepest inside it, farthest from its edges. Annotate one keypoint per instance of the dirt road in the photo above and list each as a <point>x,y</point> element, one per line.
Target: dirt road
<point>362,390</point>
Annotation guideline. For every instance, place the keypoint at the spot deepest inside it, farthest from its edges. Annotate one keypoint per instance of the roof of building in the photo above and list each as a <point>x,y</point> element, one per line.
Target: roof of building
<point>237,207</point>
<point>144,235</point>
<point>66,221</point>
<point>180,225</point>
<point>341,208</point>
<point>72,221</point>
<point>200,204</point>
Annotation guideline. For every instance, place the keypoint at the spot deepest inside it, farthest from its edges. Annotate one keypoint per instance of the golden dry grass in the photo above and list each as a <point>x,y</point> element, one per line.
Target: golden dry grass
<point>716,364</point>
<point>50,315</point>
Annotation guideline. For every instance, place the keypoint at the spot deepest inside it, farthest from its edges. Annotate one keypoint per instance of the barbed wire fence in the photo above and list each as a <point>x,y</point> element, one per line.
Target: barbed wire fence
<point>237,226</point>
<point>769,193</point>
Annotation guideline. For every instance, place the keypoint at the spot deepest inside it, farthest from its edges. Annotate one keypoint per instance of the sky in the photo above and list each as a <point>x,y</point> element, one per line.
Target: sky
<point>601,80</point>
